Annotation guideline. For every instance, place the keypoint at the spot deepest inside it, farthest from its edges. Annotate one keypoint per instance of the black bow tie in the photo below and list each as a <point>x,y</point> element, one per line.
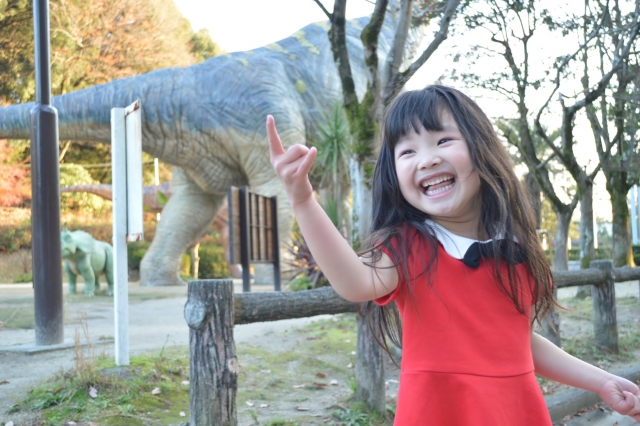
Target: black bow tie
<point>479,250</point>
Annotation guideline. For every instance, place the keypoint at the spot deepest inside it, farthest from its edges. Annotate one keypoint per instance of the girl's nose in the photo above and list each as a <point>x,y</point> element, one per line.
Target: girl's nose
<point>428,161</point>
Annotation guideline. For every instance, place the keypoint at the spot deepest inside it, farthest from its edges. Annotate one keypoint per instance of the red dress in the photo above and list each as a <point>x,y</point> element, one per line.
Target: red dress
<point>466,358</point>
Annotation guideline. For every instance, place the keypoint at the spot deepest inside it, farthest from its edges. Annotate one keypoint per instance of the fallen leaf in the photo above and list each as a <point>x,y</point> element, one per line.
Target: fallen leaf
<point>321,375</point>
<point>320,385</point>
<point>264,405</point>
<point>185,383</point>
<point>565,418</point>
<point>4,382</point>
<point>156,391</point>
<point>302,408</point>
<point>250,404</point>
<point>93,424</point>
<point>182,414</point>
<point>333,383</point>
<point>93,392</point>
<point>298,386</point>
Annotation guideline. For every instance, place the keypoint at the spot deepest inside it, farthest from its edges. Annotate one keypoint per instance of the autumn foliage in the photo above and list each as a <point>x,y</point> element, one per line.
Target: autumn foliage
<point>12,178</point>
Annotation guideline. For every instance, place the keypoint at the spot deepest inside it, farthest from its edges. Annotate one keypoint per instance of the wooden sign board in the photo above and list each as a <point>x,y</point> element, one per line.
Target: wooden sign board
<point>253,231</point>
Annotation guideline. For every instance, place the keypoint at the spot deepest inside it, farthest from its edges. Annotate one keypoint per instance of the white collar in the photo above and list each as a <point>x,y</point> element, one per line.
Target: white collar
<point>455,245</point>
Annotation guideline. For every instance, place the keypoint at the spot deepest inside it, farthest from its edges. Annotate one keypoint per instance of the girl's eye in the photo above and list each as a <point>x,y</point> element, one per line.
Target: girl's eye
<point>441,141</point>
<point>406,151</point>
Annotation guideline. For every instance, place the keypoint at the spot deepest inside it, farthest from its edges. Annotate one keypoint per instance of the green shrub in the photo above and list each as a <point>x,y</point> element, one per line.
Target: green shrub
<point>212,263</point>
<point>135,253</point>
<point>23,278</point>
<point>300,283</point>
<point>574,254</point>
<point>13,239</point>
<point>74,174</point>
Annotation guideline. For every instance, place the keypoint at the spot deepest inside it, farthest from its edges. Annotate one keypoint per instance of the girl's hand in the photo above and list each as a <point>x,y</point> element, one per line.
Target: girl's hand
<point>621,395</point>
<point>291,166</point>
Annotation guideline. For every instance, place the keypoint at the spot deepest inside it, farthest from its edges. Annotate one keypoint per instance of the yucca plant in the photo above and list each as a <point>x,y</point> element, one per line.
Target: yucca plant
<point>332,164</point>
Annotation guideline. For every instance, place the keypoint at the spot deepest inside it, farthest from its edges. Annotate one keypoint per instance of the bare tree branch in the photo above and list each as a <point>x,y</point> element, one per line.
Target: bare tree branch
<point>398,80</point>
<point>326,12</point>
<point>394,58</point>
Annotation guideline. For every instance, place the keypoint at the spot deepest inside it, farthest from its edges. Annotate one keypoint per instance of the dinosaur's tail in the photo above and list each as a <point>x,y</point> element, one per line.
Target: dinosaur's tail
<point>102,190</point>
<point>86,114</point>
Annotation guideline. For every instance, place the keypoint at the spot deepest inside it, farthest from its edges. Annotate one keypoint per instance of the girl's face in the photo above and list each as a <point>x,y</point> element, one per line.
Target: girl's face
<point>436,175</point>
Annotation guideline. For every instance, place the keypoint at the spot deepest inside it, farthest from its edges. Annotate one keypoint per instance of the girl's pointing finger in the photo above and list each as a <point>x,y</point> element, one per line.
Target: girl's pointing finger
<point>275,145</point>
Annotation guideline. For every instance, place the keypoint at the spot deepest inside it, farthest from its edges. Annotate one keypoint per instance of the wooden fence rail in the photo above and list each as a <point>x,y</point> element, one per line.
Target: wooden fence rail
<point>212,309</point>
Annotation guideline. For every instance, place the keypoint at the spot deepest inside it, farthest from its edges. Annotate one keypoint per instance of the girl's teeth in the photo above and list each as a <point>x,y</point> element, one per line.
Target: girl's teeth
<point>439,190</point>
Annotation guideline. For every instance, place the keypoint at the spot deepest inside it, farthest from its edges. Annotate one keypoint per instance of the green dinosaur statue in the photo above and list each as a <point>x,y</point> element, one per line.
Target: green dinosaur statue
<point>87,257</point>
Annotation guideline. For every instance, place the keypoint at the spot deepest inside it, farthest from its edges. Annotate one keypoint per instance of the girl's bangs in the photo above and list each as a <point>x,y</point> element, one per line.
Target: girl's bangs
<point>411,112</point>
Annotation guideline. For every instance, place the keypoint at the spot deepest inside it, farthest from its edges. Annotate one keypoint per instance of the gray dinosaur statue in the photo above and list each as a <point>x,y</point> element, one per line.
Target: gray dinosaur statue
<point>87,257</point>
<point>152,200</point>
<point>208,121</point>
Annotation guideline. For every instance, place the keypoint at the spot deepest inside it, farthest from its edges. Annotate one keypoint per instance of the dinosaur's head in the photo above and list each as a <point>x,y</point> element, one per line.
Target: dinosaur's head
<point>69,245</point>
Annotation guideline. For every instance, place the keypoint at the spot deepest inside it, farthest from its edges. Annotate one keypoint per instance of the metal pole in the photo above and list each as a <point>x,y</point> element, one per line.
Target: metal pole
<point>120,270</point>
<point>45,190</point>
<point>634,214</point>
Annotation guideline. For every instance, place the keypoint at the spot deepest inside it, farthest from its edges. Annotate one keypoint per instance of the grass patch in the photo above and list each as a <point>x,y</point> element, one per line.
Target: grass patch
<point>17,317</point>
<point>95,390</point>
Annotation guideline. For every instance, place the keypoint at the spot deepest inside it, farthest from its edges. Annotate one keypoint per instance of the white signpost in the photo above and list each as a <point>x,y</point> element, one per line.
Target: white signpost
<point>126,166</point>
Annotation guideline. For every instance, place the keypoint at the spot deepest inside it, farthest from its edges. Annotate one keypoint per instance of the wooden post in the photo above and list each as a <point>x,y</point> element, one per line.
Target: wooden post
<point>244,239</point>
<point>213,366</point>
<point>275,243</point>
<point>370,387</point>
<point>605,323</point>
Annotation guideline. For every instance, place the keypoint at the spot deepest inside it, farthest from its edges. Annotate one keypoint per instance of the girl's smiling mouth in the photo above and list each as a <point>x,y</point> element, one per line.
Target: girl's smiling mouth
<point>438,184</point>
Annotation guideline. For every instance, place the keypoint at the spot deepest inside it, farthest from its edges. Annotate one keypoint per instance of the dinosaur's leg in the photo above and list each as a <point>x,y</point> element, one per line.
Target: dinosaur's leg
<point>186,217</point>
<point>108,269</point>
<point>84,267</point>
<point>97,282</point>
<point>71,277</point>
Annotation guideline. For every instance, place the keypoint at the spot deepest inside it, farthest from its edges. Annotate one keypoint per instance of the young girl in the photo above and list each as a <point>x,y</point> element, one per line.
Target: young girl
<point>453,244</point>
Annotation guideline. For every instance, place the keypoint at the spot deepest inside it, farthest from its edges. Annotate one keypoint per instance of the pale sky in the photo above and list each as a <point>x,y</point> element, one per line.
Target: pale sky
<point>246,24</point>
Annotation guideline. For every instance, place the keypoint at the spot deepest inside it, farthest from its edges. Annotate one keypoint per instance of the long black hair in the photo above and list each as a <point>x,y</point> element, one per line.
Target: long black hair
<point>505,207</point>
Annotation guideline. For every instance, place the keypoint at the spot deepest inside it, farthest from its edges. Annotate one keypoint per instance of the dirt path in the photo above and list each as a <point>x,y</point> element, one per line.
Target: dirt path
<point>156,320</point>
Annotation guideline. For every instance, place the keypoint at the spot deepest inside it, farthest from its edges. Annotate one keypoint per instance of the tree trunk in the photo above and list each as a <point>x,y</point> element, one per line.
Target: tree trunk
<point>587,248</point>
<point>213,365</point>
<point>551,322</point>
<point>622,253</point>
<point>562,235</point>
<point>534,192</point>
<point>605,323</point>
<point>361,214</point>
<point>370,387</point>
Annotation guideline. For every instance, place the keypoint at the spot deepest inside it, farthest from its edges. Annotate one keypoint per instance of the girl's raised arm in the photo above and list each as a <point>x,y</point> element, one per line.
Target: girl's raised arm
<point>347,273</point>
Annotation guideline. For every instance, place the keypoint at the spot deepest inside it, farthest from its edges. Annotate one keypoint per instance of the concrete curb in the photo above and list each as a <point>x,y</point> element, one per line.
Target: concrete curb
<point>31,349</point>
<point>571,401</point>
